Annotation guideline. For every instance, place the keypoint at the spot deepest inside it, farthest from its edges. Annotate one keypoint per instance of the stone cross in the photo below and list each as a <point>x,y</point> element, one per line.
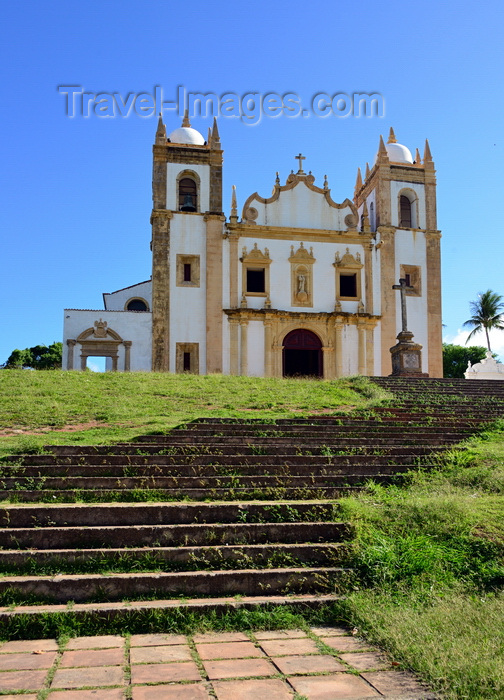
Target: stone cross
<point>300,158</point>
<point>403,287</point>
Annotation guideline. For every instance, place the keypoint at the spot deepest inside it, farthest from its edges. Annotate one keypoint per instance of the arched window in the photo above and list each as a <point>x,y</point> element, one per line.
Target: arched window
<point>187,195</point>
<point>136,305</point>
<point>372,222</point>
<point>404,212</point>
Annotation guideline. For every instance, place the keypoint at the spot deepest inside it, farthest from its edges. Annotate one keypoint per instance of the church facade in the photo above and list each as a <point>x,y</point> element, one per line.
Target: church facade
<point>296,284</point>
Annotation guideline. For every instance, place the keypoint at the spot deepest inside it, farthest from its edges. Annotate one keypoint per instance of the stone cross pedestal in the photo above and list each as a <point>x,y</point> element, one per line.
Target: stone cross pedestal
<point>406,355</point>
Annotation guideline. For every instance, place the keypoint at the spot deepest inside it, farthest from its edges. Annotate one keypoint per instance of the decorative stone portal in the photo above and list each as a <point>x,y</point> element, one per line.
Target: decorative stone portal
<point>302,354</point>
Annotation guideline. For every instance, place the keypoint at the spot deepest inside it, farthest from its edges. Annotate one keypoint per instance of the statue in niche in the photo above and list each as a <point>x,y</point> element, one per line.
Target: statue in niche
<point>301,286</point>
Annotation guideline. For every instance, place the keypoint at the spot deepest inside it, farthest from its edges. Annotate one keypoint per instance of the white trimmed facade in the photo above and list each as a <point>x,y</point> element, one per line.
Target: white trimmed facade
<point>298,285</point>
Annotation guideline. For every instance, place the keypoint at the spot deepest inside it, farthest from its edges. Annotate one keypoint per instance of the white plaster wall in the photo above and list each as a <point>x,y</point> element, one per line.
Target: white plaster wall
<point>372,200</point>
<point>130,325</point>
<point>377,350</point>
<point>116,301</point>
<point>173,169</point>
<point>395,188</point>
<point>350,350</point>
<point>410,249</point>
<point>255,348</point>
<point>376,263</point>
<point>226,303</point>
<point>187,304</point>
<point>301,207</point>
<point>324,274</point>
<point>226,345</point>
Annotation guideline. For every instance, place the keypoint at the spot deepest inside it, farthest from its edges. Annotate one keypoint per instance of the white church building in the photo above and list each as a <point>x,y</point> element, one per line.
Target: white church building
<point>298,284</point>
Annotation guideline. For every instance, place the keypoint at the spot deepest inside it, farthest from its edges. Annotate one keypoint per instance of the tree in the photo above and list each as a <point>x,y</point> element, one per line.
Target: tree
<point>486,314</point>
<point>38,357</point>
<point>456,357</point>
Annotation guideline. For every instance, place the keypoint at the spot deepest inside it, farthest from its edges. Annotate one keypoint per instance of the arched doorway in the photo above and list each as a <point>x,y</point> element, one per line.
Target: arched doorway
<point>302,354</point>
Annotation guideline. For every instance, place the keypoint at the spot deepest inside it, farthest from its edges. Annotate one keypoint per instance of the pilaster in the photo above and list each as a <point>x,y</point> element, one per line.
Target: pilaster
<point>244,348</point>
<point>214,226</point>
<point>434,318</point>
<point>388,296</point>
<point>160,220</point>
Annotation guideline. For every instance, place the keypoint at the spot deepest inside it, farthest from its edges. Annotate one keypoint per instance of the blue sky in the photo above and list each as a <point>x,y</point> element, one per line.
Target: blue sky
<point>77,191</point>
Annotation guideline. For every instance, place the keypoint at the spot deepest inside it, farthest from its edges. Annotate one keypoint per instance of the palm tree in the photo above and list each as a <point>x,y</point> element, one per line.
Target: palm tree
<point>487,314</point>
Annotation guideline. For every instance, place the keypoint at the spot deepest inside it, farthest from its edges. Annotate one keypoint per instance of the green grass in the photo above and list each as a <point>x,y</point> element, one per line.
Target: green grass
<point>429,568</point>
<point>119,407</point>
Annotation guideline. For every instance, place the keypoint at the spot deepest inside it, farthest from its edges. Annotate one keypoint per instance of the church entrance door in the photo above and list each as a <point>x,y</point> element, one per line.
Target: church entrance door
<point>302,354</point>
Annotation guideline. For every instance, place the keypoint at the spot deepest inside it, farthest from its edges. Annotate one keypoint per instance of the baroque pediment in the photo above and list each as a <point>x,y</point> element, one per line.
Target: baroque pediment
<point>300,203</point>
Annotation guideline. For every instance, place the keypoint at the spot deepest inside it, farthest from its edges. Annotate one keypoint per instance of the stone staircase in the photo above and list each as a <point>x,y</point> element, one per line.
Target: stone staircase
<point>219,512</point>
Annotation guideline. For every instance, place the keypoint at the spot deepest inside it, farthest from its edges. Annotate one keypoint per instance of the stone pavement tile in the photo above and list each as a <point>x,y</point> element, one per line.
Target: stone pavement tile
<point>396,682</point>
<point>280,634</point>
<point>102,642</point>
<point>367,661</point>
<point>190,691</point>
<point>208,637</point>
<point>92,657</point>
<point>340,685</point>
<point>156,655</point>
<point>29,646</point>
<point>273,689</point>
<point>22,680</point>
<point>165,673</point>
<point>22,662</point>
<point>97,694</point>
<point>330,631</point>
<point>228,650</point>
<point>239,668</point>
<point>308,664</point>
<point>85,677</point>
<point>156,640</point>
<point>346,643</point>
<point>16,697</point>
<point>289,647</point>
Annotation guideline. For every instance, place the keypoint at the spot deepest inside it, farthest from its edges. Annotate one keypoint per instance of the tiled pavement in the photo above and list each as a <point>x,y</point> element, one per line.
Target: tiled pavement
<point>328,664</point>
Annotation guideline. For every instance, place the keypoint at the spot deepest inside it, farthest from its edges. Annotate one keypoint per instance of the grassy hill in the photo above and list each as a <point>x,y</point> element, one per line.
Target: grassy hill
<point>429,555</point>
<point>37,408</point>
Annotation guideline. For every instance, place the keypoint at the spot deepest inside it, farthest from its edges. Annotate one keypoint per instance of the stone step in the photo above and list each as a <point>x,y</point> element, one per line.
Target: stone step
<point>196,494</point>
<point>402,456</point>
<point>223,449</point>
<point>359,467</point>
<point>175,558</point>
<point>183,483</point>
<point>342,432</point>
<point>140,609</point>
<point>85,588</point>
<point>13,516</point>
<point>248,445</point>
<point>100,536</point>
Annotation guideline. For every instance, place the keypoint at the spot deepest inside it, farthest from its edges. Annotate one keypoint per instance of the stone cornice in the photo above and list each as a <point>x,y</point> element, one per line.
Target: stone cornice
<point>297,234</point>
<point>266,315</point>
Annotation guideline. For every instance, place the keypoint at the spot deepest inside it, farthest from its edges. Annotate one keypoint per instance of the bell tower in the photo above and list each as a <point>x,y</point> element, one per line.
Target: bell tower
<point>399,194</point>
<point>187,223</point>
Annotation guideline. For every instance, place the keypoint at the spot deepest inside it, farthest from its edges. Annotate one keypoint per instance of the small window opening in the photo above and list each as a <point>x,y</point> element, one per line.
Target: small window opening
<point>187,195</point>
<point>187,272</point>
<point>348,285</point>
<point>405,207</point>
<point>137,305</point>
<point>187,362</point>
<point>255,281</point>
<point>407,277</point>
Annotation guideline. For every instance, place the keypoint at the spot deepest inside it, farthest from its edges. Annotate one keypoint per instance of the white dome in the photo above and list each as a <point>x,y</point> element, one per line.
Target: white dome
<point>186,134</point>
<point>398,153</point>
